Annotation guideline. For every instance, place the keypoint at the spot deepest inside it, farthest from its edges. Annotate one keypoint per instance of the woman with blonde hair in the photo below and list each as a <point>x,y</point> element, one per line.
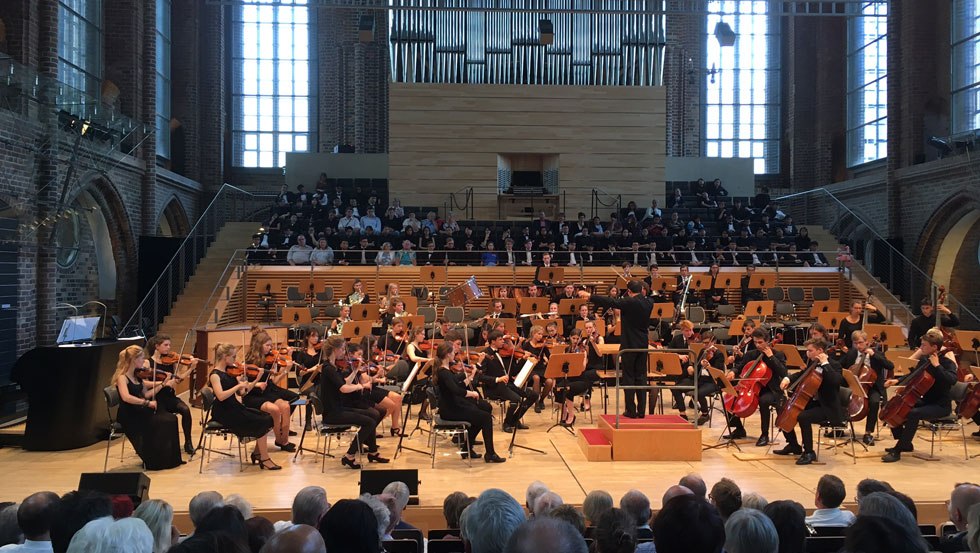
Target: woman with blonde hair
<point>152,432</point>
<point>268,396</point>
<point>229,410</point>
<point>159,518</point>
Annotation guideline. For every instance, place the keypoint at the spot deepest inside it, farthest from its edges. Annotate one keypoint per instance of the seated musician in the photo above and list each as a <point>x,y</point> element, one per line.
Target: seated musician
<point>746,344</point>
<point>825,406</point>
<point>499,373</point>
<point>567,389</point>
<point>863,354</point>
<point>456,403</point>
<point>682,282</point>
<point>395,310</point>
<point>934,403</point>
<point>158,347</point>
<point>683,341</point>
<point>537,347</point>
<point>358,295</point>
<point>771,391</point>
<point>715,295</point>
<point>268,396</point>
<point>341,397</point>
<point>567,293</point>
<point>582,315</point>
<point>337,325</point>
<point>749,294</point>
<point>551,335</point>
<point>712,355</point>
<point>612,317</point>
<point>855,321</point>
<point>307,361</point>
<point>393,351</point>
<point>384,401</point>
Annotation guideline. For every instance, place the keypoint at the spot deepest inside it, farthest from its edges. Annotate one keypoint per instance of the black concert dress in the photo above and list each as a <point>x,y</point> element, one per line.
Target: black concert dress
<point>241,420</point>
<point>153,433</point>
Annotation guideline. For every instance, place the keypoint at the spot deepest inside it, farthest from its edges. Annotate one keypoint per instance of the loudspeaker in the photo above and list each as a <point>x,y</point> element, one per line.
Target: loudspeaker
<point>374,482</point>
<point>134,484</point>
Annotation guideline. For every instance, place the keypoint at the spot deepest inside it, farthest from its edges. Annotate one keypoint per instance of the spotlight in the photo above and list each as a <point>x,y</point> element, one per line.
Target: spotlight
<point>365,28</point>
<point>546,32</point>
<point>941,145</point>
<point>724,34</point>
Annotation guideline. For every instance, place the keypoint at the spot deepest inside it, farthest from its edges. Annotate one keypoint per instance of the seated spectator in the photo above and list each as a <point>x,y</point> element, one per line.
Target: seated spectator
<point>676,200</point>
<point>34,517</point>
<point>615,533</point>
<point>750,531</point>
<point>401,493</point>
<point>370,220</point>
<point>385,256</point>
<point>905,500</point>
<point>299,254</point>
<point>350,525</point>
<point>107,536</point>
<point>257,253</point>
<point>973,534</point>
<point>635,504</point>
<point>961,500</point>
<point>487,525</point>
<point>159,518</point>
<point>869,486</point>
<point>349,221</point>
<point>830,494</point>
<point>570,515</point>
<point>406,255</point>
<point>754,500</point>
<point>715,189</point>
<point>879,534</point>
<point>227,519</point>
<point>382,513</point>
<point>881,504</point>
<point>545,503</point>
<point>674,491</point>
<point>595,504</point>
<point>696,484</point>
<point>546,534</point>
<point>489,257</point>
<point>672,527</point>
<point>258,531</point>
<point>726,496</point>
<point>75,511</point>
<point>452,508</point>
<point>240,503</point>
<point>298,538</point>
<point>812,256</point>
<point>411,223</point>
<point>323,254</point>
<point>789,519</point>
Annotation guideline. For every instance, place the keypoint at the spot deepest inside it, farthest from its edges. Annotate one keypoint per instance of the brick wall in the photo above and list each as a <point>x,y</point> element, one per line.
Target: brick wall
<point>684,76</point>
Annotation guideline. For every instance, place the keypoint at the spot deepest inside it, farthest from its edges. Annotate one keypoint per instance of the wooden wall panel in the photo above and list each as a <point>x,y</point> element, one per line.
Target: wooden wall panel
<point>446,137</point>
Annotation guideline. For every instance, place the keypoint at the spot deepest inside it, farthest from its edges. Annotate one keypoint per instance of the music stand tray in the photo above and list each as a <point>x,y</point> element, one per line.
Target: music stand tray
<point>662,311</point>
<point>433,275</point>
<point>531,306</point>
<point>363,312</point>
<point>793,358</point>
<point>355,330</point>
<point>562,366</point>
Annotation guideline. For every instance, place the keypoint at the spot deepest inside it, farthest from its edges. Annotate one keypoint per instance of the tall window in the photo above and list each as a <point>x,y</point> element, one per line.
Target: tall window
<point>867,89</point>
<point>966,65</point>
<point>80,45</point>
<point>271,82</point>
<point>741,109</point>
<point>163,108</point>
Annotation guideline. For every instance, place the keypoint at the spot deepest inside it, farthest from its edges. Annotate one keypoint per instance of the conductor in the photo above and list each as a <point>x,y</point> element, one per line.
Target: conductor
<point>635,310</point>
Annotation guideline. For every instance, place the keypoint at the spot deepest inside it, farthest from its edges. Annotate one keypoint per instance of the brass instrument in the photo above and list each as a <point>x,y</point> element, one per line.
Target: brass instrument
<point>355,298</point>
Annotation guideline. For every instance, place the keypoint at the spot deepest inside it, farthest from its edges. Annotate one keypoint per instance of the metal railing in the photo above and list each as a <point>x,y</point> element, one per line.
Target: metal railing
<point>905,282</point>
<point>209,314</point>
<point>228,205</point>
<point>452,204</point>
<point>604,199</point>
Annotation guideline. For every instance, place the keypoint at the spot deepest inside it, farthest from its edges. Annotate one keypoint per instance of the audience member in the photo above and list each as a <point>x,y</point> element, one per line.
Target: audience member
<point>754,500</point>
<point>961,500</point>
<point>571,515</point>
<point>350,526</point>
<point>258,531</point>
<point>615,533</point>
<point>672,526</point>
<point>789,518</point>
<point>829,496</point>
<point>546,534</point>
<point>159,518</point>
<point>309,505</point>
<point>674,491</point>
<point>298,538</point>
<point>905,500</point>
<point>545,503</point>
<point>487,524</point>
<point>973,534</point>
<point>726,496</point>
<point>240,503</point>
<point>881,504</point>
<point>382,515</point>
<point>453,506</point>
<point>534,490</point>
<point>201,504</point>
<point>10,532</point>
<point>35,516</point>
<point>750,531</point>
<point>75,511</point>
<point>401,493</point>
<point>696,484</point>
<point>879,534</point>
<point>869,486</point>
<point>637,505</point>
<point>596,503</point>
<point>122,506</point>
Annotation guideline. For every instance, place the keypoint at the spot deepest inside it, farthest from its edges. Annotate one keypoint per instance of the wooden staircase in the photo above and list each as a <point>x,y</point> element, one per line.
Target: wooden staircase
<point>197,296</point>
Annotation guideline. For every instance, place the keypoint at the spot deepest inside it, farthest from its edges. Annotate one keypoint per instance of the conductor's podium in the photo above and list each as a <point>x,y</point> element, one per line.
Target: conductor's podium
<point>652,438</point>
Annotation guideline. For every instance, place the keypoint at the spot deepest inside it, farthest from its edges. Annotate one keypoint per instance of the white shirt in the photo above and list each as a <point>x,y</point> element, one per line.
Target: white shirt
<point>373,222</point>
<point>830,517</point>
<point>352,222</point>
<point>300,255</point>
<point>29,545</point>
<point>322,257</point>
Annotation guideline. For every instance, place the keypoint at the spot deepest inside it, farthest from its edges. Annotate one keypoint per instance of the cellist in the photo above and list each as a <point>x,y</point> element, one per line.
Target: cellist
<point>933,404</point>
<point>770,393</point>
<point>881,365</point>
<point>825,406</point>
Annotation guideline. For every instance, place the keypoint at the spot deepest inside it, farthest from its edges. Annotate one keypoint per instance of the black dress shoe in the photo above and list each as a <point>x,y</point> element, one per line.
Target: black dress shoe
<point>508,428</point>
<point>868,439</point>
<point>494,458</point>
<point>293,433</point>
<point>790,449</point>
<point>735,435</point>
<point>522,426</point>
<point>891,457</point>
<point>376,458</point>
<point>703,419</point>
<point>469,454</point>
<point>763,441</point>
<point>352,463</point>
<point>900,449</point>
<point>538,407</point>
<point>807,458</point>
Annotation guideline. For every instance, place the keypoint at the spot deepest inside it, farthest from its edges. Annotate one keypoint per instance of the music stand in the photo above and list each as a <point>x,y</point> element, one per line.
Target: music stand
<point>823,306</point>
<point>728,281</point>
<point>412,322</point>
<point>564,366</point>
<point>521,380</point>
<point>760,280</point>
<point>532,306</point>
<point>549,275</point>
<point>970,341</point>
<point>726,388</point>
<point>893,334</point>
<point>700,282</point>
<point>664,284</point>
<point>356,330</point>
<point>417,372</point>
<point>735,328</point>
<point>433,275</point>
<point>570,307</point>
<point>510,325</point>
<point>296,315</point>
<point>760,309</point>
<point>792,354</point>
<point>363,312</point>
<point>831,320</point>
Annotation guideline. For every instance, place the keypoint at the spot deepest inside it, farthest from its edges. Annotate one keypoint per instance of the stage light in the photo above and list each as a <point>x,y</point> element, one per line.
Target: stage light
<point>724,34</point>
<point>941,145</point>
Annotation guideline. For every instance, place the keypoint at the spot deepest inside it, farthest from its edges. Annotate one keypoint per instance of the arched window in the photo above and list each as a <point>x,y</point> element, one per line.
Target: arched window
<point>966,65</point>
<point>867,83</point>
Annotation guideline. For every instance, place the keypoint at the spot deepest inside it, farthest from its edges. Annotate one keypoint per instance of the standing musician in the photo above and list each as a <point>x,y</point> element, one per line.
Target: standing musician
<point>358,295</point>
<point>152,431</point>
<point>683,341</point>
<point>771,392</point>
<point>855,321</point>
<point>715,295</point>
<point>933,404</point>
<point>927,320</point>
<point>337,325</point>
<point>336,393</point>
<point>455,404</point>
<point>863,354</point>
<point>158,347</point>
<point>498,382</point>
<point>307,361</point>
<point>537,347</point>
<point>635,309</point>
<point>229,410</point>
<point>268,396</point>
<point>826,406</point>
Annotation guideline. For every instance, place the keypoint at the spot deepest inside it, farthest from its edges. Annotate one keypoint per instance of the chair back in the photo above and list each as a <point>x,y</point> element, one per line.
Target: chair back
<point>959,390</point>
<point>440,533</point>
<point>726,311</point>
<point>207,398</point>
<point>409,534</point>
<point>401,546</point>
<point>796,294</point>
<point>820,293</point>
<point>326,294</point>
<point>477,312</point>
<point>111,396</point>
<point>829,544</point>
<point>293,294</point>
<point>775,293</point>
<point>696,314</point>
<point>785,308</point>
<point>428,314</point>
<point>315,403</point>
<point>453,314</point>
<point>445,546</point>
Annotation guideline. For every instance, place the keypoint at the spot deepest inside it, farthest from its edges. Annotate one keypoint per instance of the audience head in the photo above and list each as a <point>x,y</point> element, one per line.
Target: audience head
<point>546,534</point>
<point>122,506</point>
<point>309,505</point>
<point>36,514</point>
<point>534,489</point>
<point>635,504</point>
<point>615,533</point>
<point>750,531</point>
<point>258,530</point>
<point>883,504</point>
<point>830,492</point>
<point>672,527</point>
<point>674,491</point>
<point>755,501</point>
<point>488,523</point>
<point>726,496</point>
<point>869,486</point>
<point>240,503</point>
<point>964,497</point>
<point>696,484</point>
<point>159,518</point>
<point>545,503</point>
<point>789,518</point>
<point>973,522</point>
<point>298,538</point>
<point>453,506</point>
<point>75,511</point>
<point>401,493</point>
<point>382,514</point>
<point>226,519</point>
<point>596,503</point>
<point>10,532</point>
<point>570,515</point>
<point>201,504</point>
<point>350,526</point>
<point>907,501</point>
<point>879,534</point>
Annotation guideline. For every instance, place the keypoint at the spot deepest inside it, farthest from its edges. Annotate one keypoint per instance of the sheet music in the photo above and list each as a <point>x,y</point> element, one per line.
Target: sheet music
<point>524,374</point>
<point>411,377</point>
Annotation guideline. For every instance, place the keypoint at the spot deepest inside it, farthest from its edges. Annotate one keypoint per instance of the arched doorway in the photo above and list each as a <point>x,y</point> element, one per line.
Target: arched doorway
<point>173,220</point>
<point>949,250</point>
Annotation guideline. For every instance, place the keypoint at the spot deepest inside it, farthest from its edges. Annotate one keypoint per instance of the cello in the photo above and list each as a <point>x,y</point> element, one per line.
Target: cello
<point>858,407</point>
<point>950,343</point>
<point>755,376</point>
<point>802,391</point>
<point>916,384</point>
<point>971,403</point>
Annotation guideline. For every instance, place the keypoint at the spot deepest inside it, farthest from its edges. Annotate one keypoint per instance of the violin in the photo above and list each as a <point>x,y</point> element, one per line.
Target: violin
<point>971,404</point>
<point>174,358</point>
<point>802,391</point>
<point>425,345</point>
<point>145,373</point>
<point>250,371</point>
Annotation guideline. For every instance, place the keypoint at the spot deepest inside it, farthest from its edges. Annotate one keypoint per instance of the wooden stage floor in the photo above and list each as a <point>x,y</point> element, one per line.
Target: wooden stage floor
<point>563,468</point>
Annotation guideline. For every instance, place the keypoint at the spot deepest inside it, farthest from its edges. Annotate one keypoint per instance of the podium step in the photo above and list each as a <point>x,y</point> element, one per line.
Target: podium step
<point>594,444</point>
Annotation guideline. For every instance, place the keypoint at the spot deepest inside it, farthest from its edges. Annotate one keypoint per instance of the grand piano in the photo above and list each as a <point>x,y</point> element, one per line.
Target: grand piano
<point>64,389</point>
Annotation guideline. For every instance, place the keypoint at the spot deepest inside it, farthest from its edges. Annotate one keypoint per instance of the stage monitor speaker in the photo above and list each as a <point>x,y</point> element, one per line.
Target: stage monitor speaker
<point>134,484</point>
<point>374,482</point>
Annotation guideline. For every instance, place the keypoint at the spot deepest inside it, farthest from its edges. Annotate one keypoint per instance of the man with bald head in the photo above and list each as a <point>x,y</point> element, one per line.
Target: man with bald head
<point>963,497</point>
<point>696,484</point>
<point>34,517</point>
<point>298,538</point>
<point>673,492</point>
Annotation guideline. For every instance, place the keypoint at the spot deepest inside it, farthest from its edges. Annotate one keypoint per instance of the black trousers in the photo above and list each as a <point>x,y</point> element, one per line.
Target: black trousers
<point>923,411</point>
<point>520,399</point>
<point>634,369</point>
<point>367,419</point>
<point>814,413</point>
<point>767,399</point>
<point>567,389</point>
<point>167,399</point>
<point>479,417</point>
<point>874,405</point>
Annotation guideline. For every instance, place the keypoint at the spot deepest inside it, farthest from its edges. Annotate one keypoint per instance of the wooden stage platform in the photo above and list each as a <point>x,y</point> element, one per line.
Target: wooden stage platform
<point>563,467</point>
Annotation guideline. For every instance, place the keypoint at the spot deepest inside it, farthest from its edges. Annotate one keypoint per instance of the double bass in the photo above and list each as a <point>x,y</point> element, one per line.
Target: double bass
<point>950,343</point>
<point>755,376</point>
<point>896,411</point>
<point>802,391</point>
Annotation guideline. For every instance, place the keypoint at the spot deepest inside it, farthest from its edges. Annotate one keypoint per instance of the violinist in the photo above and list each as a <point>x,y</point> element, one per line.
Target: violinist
<point>266,395</point>
<point>307,360</point>
<point>594,361</point>
<point>711,356</point>
<point>574,386</point>
<point>825,406</point>
<point>151,430</point>
<point>159,348</point>
<point>337,325</point>
<point>771,392</point>
<point>498,382</point>
<point>393,348</point>
<point>582,315</point>
<point>683,341</point>
<point>746,344</point>
<point>612,317</point>
<point>376,397</point>
<point>933,404</point>
<point>863,354</point>
<point>855,321</point>
<point>358,295</point>
<point>414,350</point>
<point>338,394</point>
<point>453,404</point>
<point>551,336</point>
<point>229,410</point>
<point>537,347</point>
